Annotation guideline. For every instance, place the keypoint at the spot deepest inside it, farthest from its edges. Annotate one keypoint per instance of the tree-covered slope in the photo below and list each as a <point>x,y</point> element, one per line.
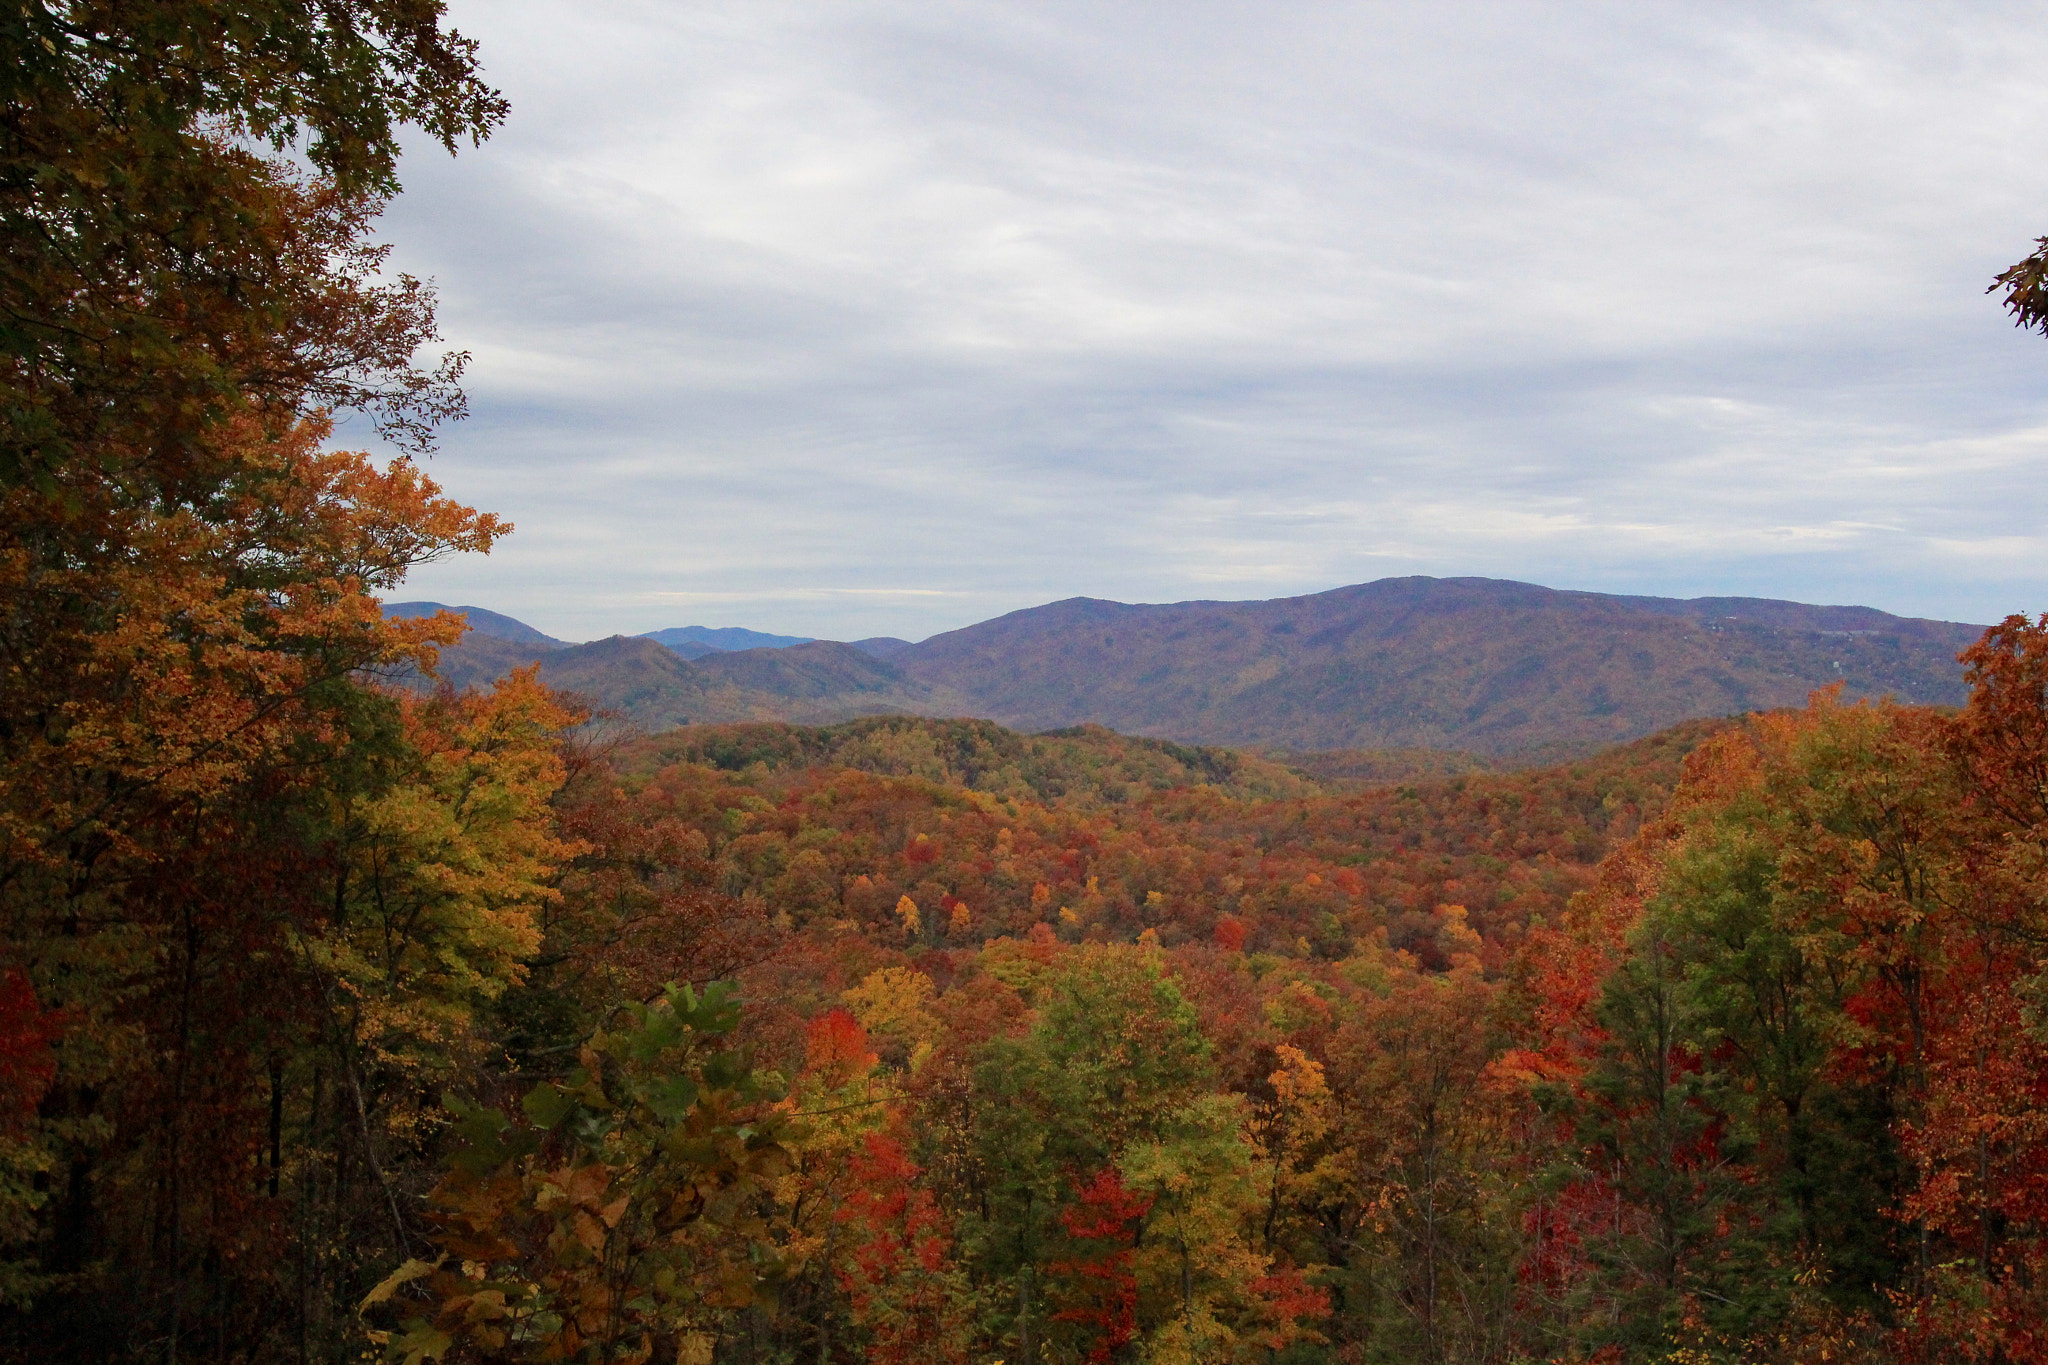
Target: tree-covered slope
<point>1467,663</point>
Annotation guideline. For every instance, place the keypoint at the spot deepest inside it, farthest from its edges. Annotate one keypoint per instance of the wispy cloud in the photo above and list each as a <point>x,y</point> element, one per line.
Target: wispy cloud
<point>876,317</point>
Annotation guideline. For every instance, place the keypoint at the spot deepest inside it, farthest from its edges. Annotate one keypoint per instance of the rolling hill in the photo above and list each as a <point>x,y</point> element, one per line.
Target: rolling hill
<point>654,687</point>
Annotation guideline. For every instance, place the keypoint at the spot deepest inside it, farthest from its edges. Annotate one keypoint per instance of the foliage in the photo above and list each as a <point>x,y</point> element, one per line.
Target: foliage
<point>618,1214</point>
<point>206,1152</point>
<point>2025,283</point>
<point>162,275</point>
<point>1085,765</point>
<point>328,1009</point>
<point>825,846</point>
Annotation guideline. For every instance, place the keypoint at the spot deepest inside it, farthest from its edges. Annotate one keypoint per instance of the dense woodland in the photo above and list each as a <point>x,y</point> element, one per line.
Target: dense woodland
<point>345,1022</point>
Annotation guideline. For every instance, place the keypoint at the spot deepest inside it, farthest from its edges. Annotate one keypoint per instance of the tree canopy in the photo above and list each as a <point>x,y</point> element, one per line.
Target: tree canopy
<point>345,1022</point>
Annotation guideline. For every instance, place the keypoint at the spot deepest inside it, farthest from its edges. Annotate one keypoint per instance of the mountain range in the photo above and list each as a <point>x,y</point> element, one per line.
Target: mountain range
<point>692,642</point>
<point>1480,665</point>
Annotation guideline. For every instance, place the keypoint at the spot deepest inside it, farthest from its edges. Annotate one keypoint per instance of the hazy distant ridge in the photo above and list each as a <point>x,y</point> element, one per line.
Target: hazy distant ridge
<point>481,622</point>
<point>721,639</point>
<point>1476,664</point>
<point>1451,663</point>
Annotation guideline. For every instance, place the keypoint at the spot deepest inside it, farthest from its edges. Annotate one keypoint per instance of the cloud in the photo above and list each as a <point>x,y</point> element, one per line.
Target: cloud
<point>865,317</point>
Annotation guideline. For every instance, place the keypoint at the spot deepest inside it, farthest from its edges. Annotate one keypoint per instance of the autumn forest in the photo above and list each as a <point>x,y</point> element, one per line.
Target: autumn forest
<point>343,1019</point>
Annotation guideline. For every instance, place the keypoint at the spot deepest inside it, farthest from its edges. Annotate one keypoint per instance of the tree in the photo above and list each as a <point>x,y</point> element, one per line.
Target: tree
<point>161,275</point>
<point>2026,289</point>
<point>177,314</point>
<point>1411,1177</point>
<point>160,787</point>
<point>1113,1057</point>
<point>186,606</point>
<point>1810,1120</point>
<point>624,1211</point>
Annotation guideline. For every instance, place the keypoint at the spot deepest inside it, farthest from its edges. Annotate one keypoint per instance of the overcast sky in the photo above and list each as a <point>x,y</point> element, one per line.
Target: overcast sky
<point>860,318</point>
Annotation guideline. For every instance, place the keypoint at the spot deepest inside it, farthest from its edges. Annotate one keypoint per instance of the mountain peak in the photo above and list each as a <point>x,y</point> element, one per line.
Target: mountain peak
<point>721,639</point>
<point>483,622</point>
<point>1486,664</point>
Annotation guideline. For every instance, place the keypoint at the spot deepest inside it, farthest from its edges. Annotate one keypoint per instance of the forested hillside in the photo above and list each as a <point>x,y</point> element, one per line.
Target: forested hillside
<point>1081,1047</point>
<point>345,1019</point>
<point>1715,1047</point>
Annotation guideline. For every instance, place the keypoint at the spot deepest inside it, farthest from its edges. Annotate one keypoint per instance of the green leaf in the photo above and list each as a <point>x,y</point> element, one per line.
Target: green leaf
<point>671,1097</point>
<point>422,1341</point>
<point>716,1012</point>
<point>725,1070</point>
<point>483,1133</point>
<point>548,1105</point>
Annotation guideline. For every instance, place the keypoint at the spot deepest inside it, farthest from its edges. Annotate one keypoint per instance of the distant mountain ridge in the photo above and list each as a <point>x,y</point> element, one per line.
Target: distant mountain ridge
<point>695,641</point>
<point>691,642</point>
<point>1477,664</point>
<point>1482,665</point>
<point>482,622</point>
<point>651,685</point>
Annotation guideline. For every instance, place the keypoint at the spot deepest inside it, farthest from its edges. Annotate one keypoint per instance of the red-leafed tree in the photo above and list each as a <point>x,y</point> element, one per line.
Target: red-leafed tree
<point>896,1267</point>
<point>1092,1279</point>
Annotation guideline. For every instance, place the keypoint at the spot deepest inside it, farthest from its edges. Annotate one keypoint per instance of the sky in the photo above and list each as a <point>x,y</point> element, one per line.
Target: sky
<point>876,318</point>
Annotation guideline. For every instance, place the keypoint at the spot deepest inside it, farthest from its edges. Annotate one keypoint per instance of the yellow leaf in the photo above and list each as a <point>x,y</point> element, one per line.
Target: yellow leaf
<point>405,1274</point>
<point>422,1341</point>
